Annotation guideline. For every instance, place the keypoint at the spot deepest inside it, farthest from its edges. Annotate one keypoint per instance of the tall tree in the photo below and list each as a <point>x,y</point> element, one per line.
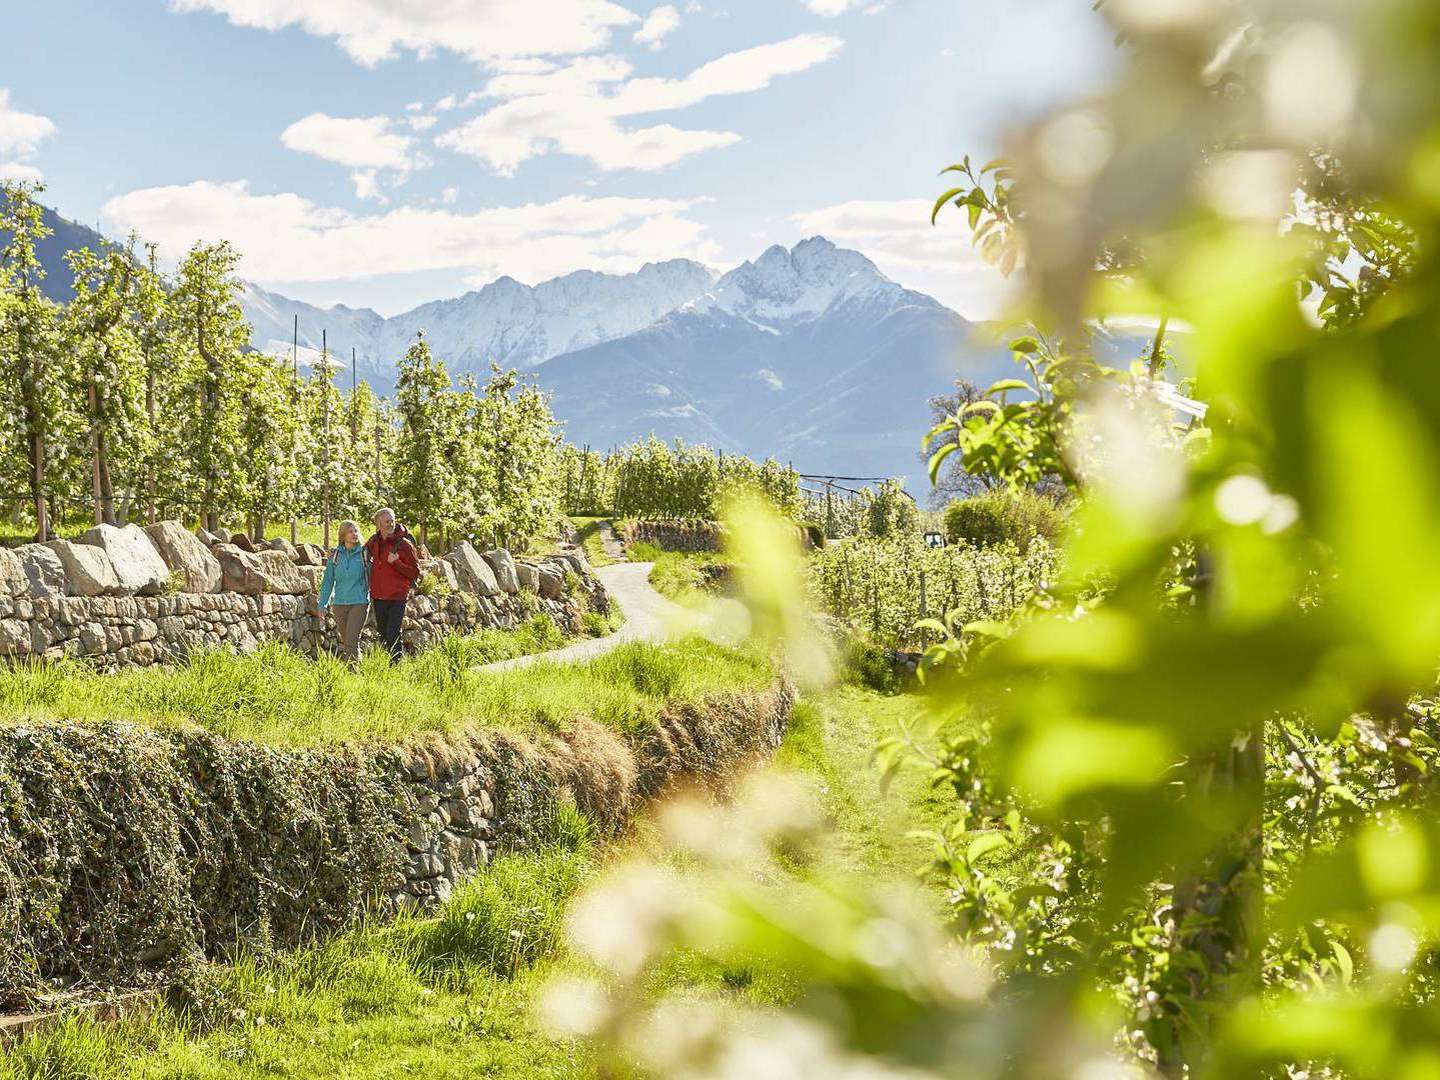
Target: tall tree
<point>99,334</point>
<point>425,477</point>
<point>212,337</point>
<point>953,480</point>
<point>155,338</point>
<point>33,387</point>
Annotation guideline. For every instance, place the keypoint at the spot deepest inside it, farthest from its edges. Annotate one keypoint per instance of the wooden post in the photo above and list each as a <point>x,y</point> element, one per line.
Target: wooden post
<point>325,433</point>
<point>379,496</point>
<point>295,400</point>
<point>354,409</point>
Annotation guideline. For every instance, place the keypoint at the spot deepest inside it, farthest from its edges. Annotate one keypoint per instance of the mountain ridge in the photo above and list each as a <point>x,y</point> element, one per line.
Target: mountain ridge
<point>809,354</point>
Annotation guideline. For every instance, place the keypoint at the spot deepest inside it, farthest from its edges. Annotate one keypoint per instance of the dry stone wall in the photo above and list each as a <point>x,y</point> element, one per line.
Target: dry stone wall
<point>131,597</point>
<point>697,535</point>
<point>127,852</point>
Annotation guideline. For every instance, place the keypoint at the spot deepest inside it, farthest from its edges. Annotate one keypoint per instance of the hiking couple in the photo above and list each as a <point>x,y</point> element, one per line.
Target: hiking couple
<point>379,572</point>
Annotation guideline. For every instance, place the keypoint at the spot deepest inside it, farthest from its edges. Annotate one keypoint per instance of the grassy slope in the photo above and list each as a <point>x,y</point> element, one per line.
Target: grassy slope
<point>424,997</point>
<point>277,696</point>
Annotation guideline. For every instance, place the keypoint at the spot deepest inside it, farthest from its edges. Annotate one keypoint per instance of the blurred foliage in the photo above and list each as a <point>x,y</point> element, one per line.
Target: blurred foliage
<point>1210,725</point>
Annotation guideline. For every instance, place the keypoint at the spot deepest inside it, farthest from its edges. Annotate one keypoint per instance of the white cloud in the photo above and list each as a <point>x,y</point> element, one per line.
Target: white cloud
<point>421,122</point>
<point>484,30</point>
<point>658,25</point>
<point>365,144</point>
<point>898,237</point>
<point>577,109</point>
<point>287,238</point>
<point>362,142</point>
<point>13,170</point>
<point>769,378</point>
<point>830,8</point>
<point>450,195</point>
<point>21,133</point>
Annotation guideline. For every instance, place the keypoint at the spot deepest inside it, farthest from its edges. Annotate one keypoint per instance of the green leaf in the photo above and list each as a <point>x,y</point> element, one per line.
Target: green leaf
<point>983,844</point>
<point>1025,345</point>
<point>941,201</point>
<point>1343,961</point>
<point>1010,384</point>
<point>938,458</point>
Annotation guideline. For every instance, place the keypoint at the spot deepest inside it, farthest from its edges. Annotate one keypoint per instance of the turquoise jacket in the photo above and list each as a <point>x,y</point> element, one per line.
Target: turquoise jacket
<point>347,577</point>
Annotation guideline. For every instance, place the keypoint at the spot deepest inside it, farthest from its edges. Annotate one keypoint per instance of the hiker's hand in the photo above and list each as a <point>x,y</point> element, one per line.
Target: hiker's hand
<point>394,556</point>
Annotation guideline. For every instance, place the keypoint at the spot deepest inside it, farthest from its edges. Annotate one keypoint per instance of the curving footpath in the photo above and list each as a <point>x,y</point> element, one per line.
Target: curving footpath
<point>648,617</point>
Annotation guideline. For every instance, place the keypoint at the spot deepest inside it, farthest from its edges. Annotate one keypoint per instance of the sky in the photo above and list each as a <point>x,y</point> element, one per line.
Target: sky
<point>385,153</point>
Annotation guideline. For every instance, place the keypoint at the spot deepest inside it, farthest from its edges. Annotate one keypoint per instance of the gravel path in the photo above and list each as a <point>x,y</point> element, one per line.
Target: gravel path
<point>647,616</point>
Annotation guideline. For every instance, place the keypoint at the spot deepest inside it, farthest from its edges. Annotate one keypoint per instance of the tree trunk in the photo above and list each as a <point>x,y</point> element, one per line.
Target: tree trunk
<point>37,487</point>
<point>107,485</point>
<point>150,509</point>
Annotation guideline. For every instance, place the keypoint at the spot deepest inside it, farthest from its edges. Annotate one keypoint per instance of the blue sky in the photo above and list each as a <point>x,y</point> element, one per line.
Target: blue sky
<point>389,152</point>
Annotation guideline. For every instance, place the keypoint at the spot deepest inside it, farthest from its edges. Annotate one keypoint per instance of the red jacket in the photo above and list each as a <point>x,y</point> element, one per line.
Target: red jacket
<point>392,581</point>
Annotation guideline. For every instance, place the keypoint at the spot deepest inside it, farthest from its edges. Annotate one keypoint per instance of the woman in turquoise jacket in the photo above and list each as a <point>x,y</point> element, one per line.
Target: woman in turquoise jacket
<point>345,589</point>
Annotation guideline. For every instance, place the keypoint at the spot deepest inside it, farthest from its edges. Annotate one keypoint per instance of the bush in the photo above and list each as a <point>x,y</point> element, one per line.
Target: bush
<point>870,665</point>
<point>993,518</point>
<point>433,585</point>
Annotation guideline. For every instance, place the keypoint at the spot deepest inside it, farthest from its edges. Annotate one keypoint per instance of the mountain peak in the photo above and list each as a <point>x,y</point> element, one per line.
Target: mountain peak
<point>784,285</point>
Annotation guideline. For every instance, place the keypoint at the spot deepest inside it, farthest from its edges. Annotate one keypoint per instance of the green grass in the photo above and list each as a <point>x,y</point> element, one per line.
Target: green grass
<point>277,696</point>
<point>832,737</point>
<point>679,575</point>
<point>454,995</point>
<point>446,996</point>
<point>589,531</point>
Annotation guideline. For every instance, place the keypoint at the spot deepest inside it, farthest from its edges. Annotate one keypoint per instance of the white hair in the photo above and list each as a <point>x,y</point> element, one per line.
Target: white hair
<point>382,512</point>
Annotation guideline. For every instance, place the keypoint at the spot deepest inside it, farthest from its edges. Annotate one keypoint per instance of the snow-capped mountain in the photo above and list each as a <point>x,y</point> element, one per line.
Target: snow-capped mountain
<point>505,322</point>
<point>811,354</point>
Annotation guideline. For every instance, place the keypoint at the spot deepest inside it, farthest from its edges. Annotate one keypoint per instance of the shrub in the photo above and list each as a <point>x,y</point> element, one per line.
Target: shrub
<point>433,585</point>
<point>998,516</point>
<point>871,665</point>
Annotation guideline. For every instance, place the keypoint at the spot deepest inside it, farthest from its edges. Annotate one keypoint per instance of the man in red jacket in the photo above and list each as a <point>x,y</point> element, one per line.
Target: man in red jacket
<point>394,567</point>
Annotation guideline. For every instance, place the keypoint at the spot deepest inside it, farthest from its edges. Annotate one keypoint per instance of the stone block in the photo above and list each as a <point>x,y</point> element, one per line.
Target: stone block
<point>43,570</point>
<point>13,581</point>
<point>186,553</point>
<point>138,564</point>
<point>14,638</point>
<point>472,571</point>
<point>551,583</point>
<point>503,565</point>
<point>310,554</point>
<point>88,570</point>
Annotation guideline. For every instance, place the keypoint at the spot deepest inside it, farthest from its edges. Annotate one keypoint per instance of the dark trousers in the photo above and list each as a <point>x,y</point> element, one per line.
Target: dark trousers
<point>389,614</point>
